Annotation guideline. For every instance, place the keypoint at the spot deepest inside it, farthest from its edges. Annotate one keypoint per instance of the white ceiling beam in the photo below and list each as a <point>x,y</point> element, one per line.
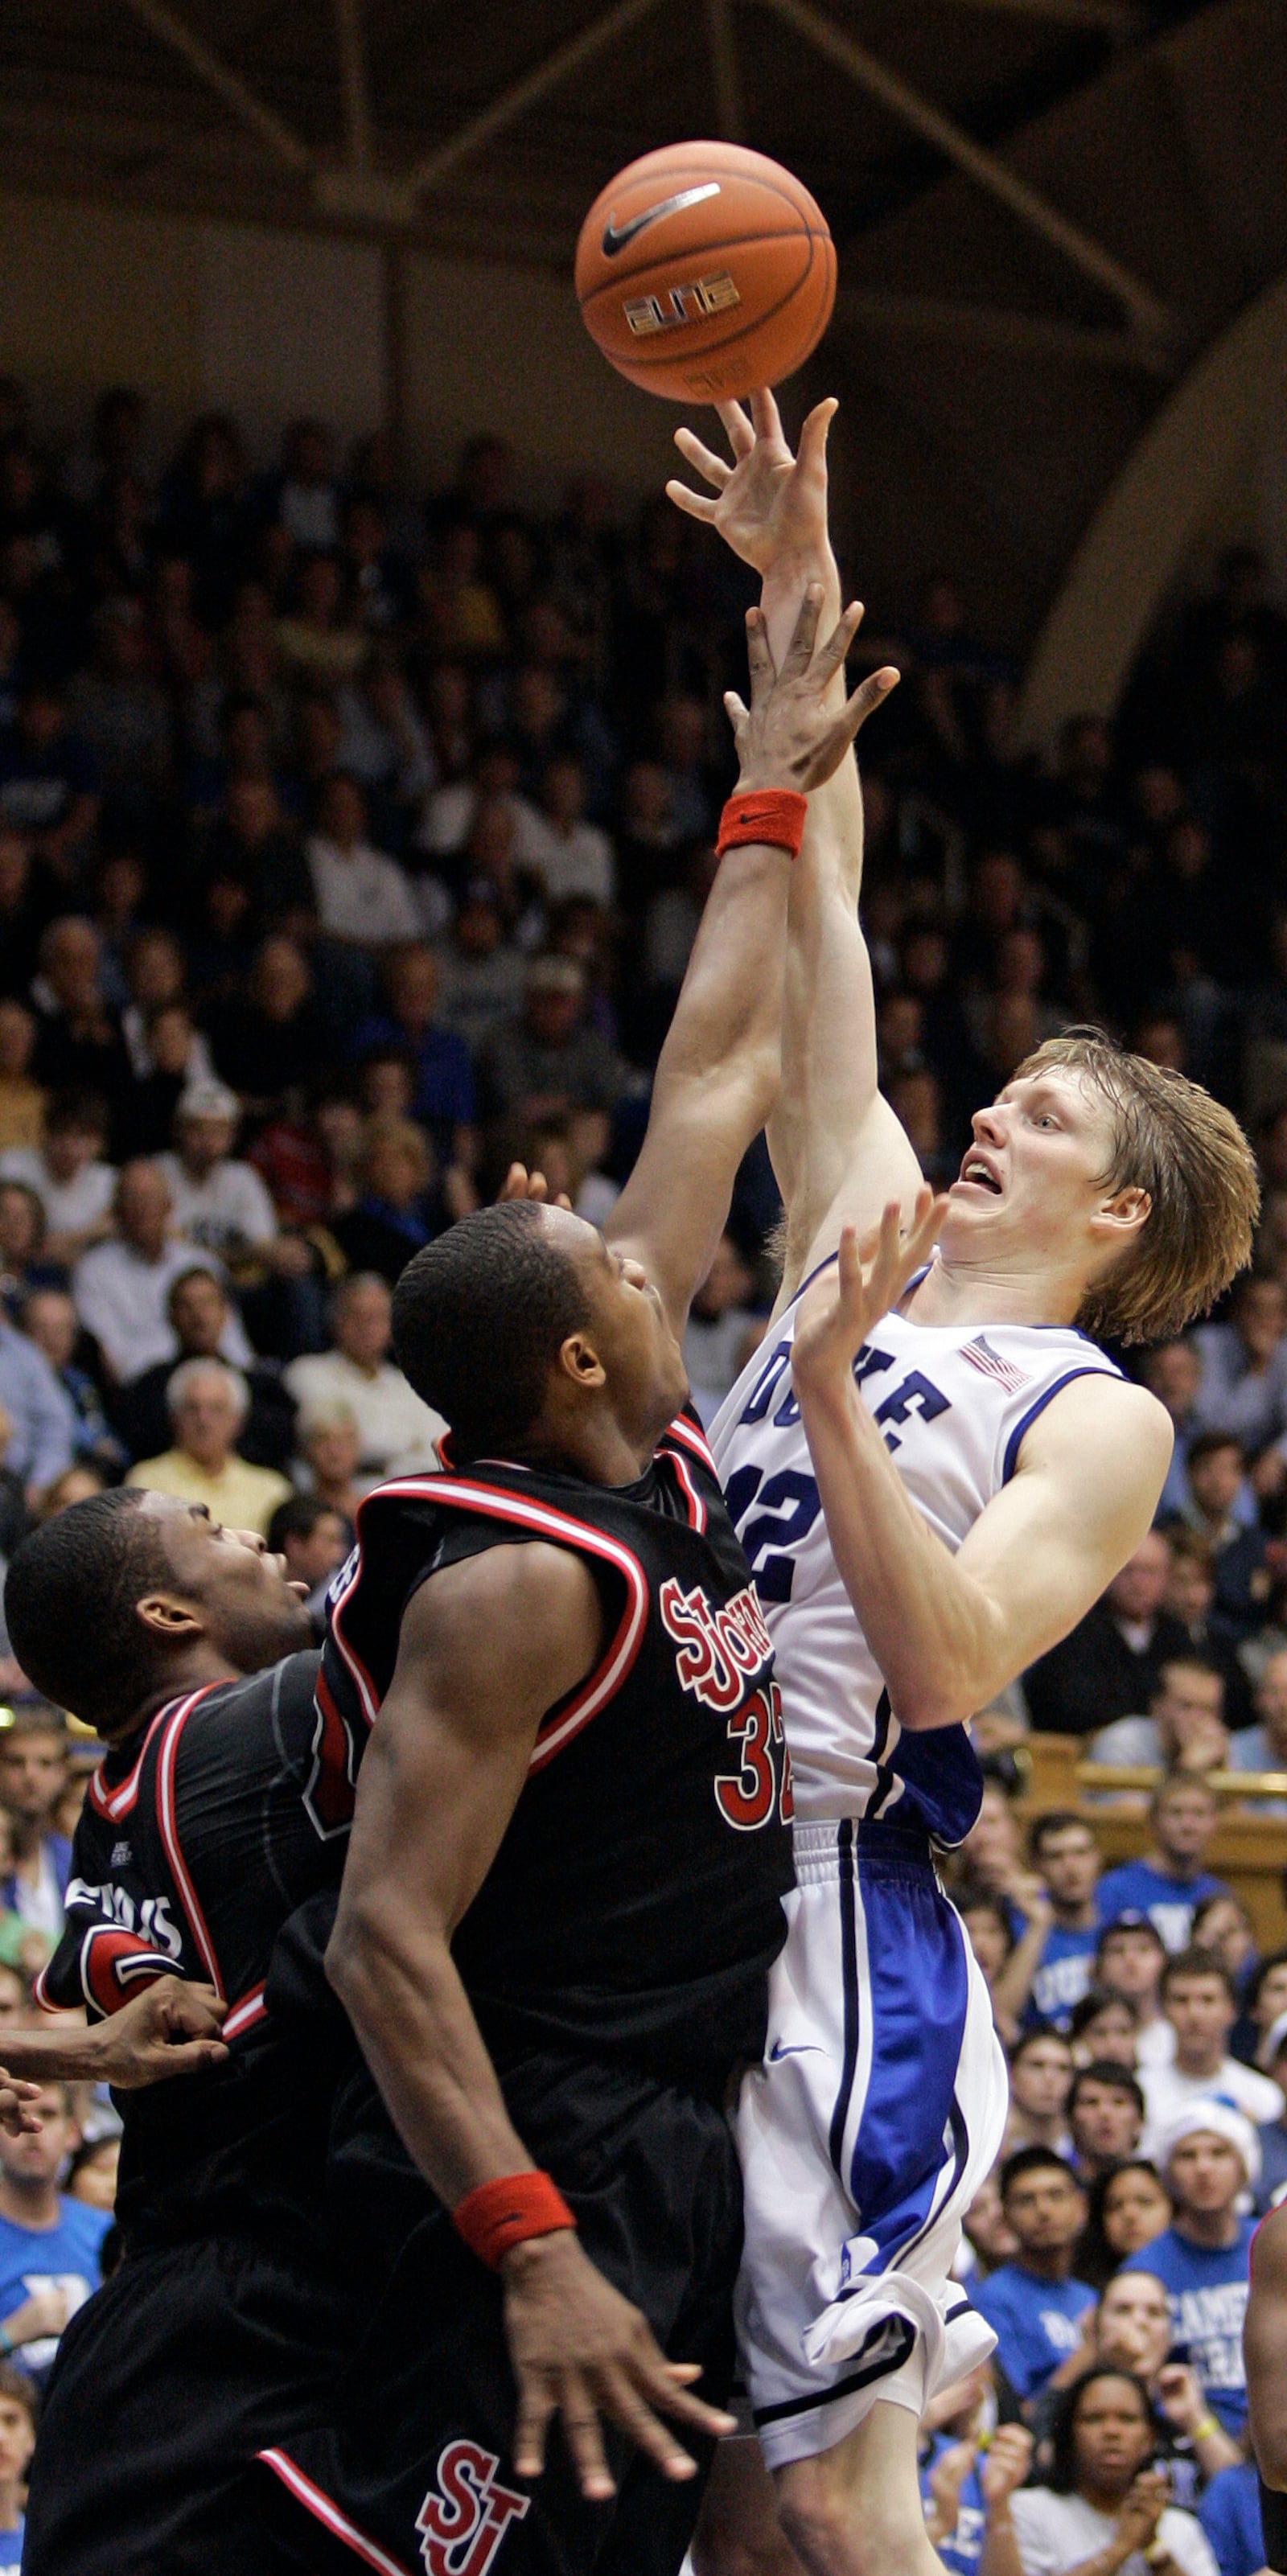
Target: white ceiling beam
<point>522,94</point>
<point>281,141</point>
<point>726,71</point>
<point>350,30</point>
<point>1145,310</point>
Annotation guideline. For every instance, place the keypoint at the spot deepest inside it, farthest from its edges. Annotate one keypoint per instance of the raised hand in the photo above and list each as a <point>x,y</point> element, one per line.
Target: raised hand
<point>769,506</point>
<point>844,1305</point>
<point>789,736</point>
<point>519,1183</point>
<point>1005,2463</point>
<point>1146,2500</point>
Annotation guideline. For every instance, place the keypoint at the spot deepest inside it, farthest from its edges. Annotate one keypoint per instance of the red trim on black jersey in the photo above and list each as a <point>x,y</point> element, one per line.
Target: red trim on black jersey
<point>691,1436</point>
<point>683,1474</point>
<point>493,1503</point>
<point>118,1802</point>
<point>167,1819</point>
<point>249,2009</point>
<point>330,2516</point>
<point>368,1696</point>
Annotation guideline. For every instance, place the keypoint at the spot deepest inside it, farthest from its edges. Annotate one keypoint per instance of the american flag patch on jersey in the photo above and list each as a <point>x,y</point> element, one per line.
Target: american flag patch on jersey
<point>989,1363</point>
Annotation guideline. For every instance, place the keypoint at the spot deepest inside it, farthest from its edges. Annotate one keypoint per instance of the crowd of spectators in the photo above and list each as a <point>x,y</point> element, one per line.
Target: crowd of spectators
<point>352,844</point>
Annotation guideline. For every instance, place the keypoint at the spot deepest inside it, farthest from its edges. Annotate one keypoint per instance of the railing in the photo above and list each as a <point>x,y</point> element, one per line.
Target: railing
<point>1248,1851</point>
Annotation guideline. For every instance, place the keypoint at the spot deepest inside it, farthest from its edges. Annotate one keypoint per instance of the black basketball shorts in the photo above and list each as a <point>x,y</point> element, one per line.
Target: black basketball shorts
<point>414,2471</point>
<point>167,2384</point>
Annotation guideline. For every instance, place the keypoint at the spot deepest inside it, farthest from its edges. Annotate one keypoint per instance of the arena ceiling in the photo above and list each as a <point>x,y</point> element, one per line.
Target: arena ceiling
<point>1045,209</point>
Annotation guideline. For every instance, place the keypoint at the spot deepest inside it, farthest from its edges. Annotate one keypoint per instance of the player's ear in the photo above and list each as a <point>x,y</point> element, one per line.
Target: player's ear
<point>1124,1213</point>
<point>580,1362</point>
<point>164,1615</point>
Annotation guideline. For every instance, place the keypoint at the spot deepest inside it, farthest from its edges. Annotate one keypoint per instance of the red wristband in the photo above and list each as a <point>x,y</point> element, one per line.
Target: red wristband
<point>505,2213</point>
<point>774,815</point>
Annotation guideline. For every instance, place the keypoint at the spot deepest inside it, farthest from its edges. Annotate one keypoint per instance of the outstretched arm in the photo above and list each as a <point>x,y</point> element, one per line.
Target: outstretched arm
<point>836,1146</point>
<point>950,1631</point>
<point>719,1068</point>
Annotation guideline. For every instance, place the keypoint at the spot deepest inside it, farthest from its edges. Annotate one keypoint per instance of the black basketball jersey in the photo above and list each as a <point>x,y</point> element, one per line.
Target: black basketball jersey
<point>194,1845</point>
<point>634,1905</point>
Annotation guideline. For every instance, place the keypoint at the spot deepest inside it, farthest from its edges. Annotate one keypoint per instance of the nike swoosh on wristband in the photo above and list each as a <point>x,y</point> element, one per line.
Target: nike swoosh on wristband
<point>615,239</point>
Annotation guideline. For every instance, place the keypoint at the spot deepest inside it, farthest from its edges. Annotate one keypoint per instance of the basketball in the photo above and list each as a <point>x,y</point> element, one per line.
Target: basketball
<point>704,271</point>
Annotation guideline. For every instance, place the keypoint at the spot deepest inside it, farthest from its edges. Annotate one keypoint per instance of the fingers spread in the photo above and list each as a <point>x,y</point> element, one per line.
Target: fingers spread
<point>741,436</point>
<point>813,437</point>
<point>696,505</point>
<point>535,2407</point>
<point>620,2398</point>
<point>836,649</point>
<point>580,2422</point>
<point>765,414</point>
<point>800,650</point>
<point>866,698</point>
<point>737,714</point>
<point>758,655</point>
<point>703,460</point>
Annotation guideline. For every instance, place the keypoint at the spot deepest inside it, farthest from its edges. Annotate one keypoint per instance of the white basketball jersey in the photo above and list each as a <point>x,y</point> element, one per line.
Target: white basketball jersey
<point>953,1402</point>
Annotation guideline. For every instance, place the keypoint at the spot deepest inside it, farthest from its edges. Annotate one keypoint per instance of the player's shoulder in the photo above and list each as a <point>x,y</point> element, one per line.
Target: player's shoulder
<point>530,1586</point>
<point>1098,1413</point>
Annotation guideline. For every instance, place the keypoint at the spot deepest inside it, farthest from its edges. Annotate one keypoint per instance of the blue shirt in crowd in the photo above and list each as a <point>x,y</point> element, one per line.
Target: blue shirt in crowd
<point>1035,2322</point>
<point>11,2549</point>
<point>1170,1903</point>
<point>1207,2286</point>
<point>63,2258</point>
<point>1229,2513</point>
<point>1063,1976</point>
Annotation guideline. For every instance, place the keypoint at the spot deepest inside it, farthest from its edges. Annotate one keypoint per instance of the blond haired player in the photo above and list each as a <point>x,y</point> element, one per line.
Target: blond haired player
<point>934,1472</point>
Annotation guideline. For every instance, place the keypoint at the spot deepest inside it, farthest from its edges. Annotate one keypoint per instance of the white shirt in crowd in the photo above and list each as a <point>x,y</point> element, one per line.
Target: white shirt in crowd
<point>448,815</point>
<point>361,894</point>
<point>121,1299</point>
<point>1167,2093</point>
<point>396,1430</point>
<point>229,1207</point>
<point>1056,2532</point>
<point>71,1207</point>
<point>576,862</point>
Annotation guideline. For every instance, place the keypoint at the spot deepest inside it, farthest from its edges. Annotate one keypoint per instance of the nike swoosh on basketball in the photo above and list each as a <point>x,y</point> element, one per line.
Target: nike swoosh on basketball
<point>615,238</point>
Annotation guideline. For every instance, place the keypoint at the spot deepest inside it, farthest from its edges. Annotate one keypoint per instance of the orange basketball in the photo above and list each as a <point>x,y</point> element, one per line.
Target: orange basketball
<point>704,271</point>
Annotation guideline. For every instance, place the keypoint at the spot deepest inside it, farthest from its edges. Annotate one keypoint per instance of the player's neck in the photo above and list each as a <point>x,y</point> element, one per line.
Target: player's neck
<point>594,1447</point>
<point>199,1669</point>
<point>978,1293</point>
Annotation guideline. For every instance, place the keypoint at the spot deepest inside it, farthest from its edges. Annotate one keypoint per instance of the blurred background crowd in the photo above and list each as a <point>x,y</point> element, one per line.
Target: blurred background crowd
<point>352,843</point>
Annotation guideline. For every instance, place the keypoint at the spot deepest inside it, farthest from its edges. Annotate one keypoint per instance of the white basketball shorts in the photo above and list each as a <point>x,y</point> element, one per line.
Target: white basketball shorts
<point>864,2135</point>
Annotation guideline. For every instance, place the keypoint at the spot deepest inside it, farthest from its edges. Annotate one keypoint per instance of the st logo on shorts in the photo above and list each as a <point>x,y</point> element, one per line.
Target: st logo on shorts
<point>465,2517</point>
